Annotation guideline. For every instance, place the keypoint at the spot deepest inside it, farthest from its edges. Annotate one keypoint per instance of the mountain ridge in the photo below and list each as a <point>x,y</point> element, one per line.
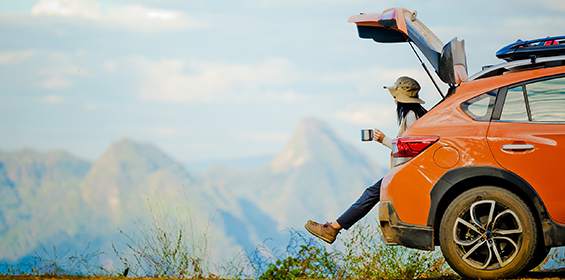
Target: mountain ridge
<point>126,172</point>
<point>311,177</point>
<point>39,198</point>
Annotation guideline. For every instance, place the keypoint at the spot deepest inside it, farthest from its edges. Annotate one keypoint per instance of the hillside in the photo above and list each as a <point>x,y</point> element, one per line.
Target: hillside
<point>40,200</point>
<point>317,175</point>
<point>56,198</point>
<point>126,174</point>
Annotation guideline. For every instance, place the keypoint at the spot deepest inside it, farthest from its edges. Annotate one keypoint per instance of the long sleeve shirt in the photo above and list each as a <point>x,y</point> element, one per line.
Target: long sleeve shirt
<point>409,119</point>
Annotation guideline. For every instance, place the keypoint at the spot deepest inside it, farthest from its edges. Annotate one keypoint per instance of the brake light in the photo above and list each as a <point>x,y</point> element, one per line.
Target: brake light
<point>405,148</point>
<point>388,18</point>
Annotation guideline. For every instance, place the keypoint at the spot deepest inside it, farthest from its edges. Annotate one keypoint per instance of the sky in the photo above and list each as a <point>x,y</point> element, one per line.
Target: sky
<point>220,80</point>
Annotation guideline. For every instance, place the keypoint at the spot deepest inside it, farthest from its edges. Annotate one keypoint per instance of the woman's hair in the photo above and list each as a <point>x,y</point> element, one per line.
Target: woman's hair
<point>402,110</point>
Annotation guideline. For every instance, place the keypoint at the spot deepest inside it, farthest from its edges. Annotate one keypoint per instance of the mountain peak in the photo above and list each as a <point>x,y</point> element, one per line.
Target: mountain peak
<point>127,173</point>
<point>311,123</point>
<point>130,154</point>
<point>313,141</point>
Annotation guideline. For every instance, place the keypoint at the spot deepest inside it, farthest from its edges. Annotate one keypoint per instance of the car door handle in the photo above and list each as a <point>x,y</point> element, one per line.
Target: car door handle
<point>513,147</point>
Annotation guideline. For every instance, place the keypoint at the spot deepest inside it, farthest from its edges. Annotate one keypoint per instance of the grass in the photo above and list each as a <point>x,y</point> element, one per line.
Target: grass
<point>52,263</point>
<point>174,244</point>
<point>361,255</point>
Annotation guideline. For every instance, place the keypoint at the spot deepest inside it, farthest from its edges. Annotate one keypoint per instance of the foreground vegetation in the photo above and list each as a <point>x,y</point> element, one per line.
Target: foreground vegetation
<point>175,245</point>
<point>360,256</point>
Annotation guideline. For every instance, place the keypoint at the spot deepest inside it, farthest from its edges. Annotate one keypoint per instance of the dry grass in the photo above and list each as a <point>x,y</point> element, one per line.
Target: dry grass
<point>172,246</point>
<point>540,275</point>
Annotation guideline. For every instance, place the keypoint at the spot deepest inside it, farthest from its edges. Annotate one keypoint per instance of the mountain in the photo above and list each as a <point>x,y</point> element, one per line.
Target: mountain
<point>134,186</point>
<point>40,199</point>
<point>55,198</point>
<point>316,176</point>
<point>126,175</point>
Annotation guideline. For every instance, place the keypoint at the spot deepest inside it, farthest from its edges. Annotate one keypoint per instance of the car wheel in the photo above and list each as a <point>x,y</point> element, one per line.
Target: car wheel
<point>488,232</point>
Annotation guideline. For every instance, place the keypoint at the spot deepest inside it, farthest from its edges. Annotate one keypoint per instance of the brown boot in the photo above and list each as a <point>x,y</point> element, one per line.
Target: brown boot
<point>324,231</point>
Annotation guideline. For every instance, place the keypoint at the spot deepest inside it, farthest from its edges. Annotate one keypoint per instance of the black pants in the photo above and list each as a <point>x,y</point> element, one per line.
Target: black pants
<point>362,206</point>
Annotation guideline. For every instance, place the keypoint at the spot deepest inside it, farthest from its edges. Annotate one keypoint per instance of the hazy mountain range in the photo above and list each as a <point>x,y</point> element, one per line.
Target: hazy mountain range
<point>58,199</point>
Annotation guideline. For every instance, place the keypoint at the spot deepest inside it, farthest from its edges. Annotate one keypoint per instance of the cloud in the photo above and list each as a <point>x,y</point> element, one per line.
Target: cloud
<point>60,70</point>
<point>42,68</point>
<point>530,29</point>
<point>175,80</point>
<point>15,56</point>
<point>277,137</point>
<point>53,99</point>
<point>67,8</point>
<point>368,114</point>
<point>550,4</point>
<point>164,131</point>
<point>95,106</point>
<point>370,80</point>
<point>138,17</point>
<point>285,96</point>
<point>110,66</point>
<point>56,82</point>
<point>131,17</point>
<point>373,74</point>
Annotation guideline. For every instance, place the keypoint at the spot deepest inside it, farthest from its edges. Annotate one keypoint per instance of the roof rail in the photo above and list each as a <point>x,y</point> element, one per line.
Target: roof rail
<point>518,65</point>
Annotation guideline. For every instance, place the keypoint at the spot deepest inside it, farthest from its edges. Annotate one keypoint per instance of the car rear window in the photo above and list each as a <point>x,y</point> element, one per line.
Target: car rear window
<point>514,108</point>
<point>480,107</point>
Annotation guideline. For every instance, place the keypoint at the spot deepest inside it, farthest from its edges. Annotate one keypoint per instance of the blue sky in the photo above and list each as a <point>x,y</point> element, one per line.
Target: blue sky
<point>219,80</point>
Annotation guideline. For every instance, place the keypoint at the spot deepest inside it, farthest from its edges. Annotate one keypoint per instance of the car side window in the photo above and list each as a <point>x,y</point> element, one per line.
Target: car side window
<point>514,108</point>
<point>480,107</point>
<point>547,100</point>
<point>540,101</point>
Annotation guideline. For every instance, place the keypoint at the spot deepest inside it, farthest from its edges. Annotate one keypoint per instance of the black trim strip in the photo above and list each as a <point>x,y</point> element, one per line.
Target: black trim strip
<point>500,98</point>
<point>401,233</point>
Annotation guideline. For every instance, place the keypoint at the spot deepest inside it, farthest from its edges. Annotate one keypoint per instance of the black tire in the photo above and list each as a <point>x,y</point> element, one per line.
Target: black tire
<point>488,233</point>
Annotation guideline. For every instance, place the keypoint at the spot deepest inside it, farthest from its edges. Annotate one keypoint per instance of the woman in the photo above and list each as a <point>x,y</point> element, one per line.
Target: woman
<point>405,93</point>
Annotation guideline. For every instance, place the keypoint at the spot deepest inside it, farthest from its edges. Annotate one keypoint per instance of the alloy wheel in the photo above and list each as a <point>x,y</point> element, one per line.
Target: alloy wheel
<point>488,235</point>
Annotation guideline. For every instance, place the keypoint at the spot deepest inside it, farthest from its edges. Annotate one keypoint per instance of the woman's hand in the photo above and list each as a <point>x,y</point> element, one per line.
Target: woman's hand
<point>378,135</point>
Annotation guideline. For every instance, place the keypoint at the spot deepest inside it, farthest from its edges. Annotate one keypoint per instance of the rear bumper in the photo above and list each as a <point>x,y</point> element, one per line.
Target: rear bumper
<point>396,232</point>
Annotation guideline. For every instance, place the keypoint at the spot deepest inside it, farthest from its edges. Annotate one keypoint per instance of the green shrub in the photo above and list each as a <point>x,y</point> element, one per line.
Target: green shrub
<point>173,244</point>
<point>52,263</point>
<point>362,255</point>
<point>312,260</point>
<point>365,256</point>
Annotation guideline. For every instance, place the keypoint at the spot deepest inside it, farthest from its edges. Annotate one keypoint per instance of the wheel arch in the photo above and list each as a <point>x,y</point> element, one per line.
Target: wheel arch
<point>459,180</point>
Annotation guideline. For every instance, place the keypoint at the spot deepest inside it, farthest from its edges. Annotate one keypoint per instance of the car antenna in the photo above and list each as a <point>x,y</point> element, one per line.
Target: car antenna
<point>427,71</point>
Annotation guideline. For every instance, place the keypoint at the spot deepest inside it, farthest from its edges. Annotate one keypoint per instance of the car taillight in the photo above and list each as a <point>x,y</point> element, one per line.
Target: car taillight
<point>405,148</point>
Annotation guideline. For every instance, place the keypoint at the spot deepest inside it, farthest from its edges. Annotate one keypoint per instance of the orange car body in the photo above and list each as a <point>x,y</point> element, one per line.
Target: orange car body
<point>480,174</point>
<point>465,144</point>
<point>520,156</point>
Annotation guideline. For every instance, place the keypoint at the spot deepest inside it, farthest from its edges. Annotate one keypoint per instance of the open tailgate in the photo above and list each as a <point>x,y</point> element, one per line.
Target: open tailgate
<point>398,25</point>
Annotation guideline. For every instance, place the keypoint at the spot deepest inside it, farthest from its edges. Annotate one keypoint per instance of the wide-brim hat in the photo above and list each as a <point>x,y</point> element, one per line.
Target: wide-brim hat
<point>405,90</point>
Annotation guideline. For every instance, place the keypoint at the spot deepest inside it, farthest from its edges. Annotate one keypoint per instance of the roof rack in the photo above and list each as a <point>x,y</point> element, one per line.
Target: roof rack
<point>532,49</point>
<point>519,65</point>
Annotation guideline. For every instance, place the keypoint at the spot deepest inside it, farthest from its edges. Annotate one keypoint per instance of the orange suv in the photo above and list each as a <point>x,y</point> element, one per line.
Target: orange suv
<point>480,175</point>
